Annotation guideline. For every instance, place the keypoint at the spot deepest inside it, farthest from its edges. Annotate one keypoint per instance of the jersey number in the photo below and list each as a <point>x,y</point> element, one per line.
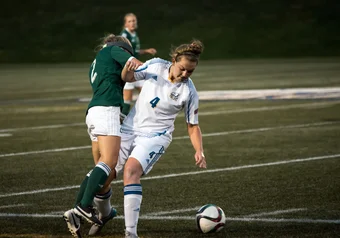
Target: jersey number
<point>154,102</point>
<point>93,74</point>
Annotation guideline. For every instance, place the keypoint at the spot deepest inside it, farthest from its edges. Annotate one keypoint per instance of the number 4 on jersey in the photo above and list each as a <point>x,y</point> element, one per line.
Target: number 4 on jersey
<point>154,102</point>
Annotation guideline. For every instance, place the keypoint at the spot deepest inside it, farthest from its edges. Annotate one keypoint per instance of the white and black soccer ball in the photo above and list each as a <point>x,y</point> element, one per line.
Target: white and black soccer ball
<point>210,218</point>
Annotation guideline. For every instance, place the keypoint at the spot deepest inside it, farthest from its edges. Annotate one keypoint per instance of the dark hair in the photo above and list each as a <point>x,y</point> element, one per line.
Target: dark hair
<point>190,51</point>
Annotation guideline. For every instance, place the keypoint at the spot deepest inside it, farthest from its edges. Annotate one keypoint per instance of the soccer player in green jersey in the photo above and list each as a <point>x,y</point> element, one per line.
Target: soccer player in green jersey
<point>103,122</point>
<point>129,31</point>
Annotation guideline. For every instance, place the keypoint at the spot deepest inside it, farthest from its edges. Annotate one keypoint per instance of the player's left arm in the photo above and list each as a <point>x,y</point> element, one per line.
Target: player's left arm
<point>194,131</point>
<point>195,135</point>
<point>151,51</point>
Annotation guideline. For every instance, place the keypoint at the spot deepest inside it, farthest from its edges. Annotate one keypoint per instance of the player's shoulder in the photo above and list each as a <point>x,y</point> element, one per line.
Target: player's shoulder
<point>125,33</point>
<point>154,64</point>
<point>158,61</point>
<point>191,86</point>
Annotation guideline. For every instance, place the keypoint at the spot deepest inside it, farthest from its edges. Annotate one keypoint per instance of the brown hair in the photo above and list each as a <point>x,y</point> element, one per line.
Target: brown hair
<point>191,51</point>
<point>111,38</point>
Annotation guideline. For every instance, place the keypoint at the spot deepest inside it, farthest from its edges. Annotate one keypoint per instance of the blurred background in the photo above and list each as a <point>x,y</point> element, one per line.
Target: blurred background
<point>273,165</point>
<point>68,31</point>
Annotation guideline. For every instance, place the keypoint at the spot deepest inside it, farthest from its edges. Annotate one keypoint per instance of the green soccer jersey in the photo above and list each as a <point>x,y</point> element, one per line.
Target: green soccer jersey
<point>134,39</point>
<point>105,77</point>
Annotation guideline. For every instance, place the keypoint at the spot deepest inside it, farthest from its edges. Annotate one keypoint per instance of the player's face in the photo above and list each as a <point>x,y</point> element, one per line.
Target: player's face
<point>182,69</point>
<point>131,23</point>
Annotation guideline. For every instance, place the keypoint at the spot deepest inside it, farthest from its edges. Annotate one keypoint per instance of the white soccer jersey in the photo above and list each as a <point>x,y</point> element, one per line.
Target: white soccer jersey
<point>160,101</point>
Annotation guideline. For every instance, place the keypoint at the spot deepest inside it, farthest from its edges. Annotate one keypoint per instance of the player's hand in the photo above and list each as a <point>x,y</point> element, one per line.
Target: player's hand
<point>151,51</point>
<point>200,160</point>
<point>133,64</point>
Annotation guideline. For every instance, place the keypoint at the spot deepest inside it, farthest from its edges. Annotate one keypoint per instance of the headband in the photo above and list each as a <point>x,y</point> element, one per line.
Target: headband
<point>123,45</point>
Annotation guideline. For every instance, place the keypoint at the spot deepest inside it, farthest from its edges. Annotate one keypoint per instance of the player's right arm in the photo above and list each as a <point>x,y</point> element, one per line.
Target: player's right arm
<point>127,61</point>
<point>131,74</point>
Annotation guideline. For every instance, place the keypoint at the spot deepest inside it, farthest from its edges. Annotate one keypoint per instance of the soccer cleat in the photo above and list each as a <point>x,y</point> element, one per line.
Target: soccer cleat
<point>130,235</point>
<point>73,223</point>
<point>88,213</point>
<point>95,229</point>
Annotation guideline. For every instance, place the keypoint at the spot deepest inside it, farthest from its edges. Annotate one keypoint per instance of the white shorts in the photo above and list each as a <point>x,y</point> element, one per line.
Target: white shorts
<point>131,86</point>
<point>147,150</point>
<point>104,121</point>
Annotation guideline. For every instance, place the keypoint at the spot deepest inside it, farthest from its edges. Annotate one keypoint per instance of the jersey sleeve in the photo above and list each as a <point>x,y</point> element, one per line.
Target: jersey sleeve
<point>147,70</point>
<point>119,55</point>
<point>191,106</point>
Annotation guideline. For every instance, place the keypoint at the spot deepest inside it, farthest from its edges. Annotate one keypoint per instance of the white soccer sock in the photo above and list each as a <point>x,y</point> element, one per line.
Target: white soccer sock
<point>132,202</point>
<point>103,203</point>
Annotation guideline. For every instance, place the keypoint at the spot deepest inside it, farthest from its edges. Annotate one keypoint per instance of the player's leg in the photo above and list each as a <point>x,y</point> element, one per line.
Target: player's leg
<point>145,154</point>
<point>132,194</point>
<point>127,94</point>
<point>105,211</point>
<point>106,128</point>
<point>72,220</point>
<point>95,151</point>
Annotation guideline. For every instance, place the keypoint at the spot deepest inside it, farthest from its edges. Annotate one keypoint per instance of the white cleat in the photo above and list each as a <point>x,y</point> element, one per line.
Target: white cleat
<point>73,223</point>
<point>95,229</point>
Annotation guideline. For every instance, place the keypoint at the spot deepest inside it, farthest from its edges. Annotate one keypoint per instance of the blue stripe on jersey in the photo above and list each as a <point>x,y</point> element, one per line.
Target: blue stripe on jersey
<point>150,62</point>
<point>192,89</point>
<point>188,109</point>
<point>141,68</point>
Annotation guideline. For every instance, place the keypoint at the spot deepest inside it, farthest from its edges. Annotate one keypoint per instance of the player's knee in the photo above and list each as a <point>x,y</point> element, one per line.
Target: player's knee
<point>132,172</point>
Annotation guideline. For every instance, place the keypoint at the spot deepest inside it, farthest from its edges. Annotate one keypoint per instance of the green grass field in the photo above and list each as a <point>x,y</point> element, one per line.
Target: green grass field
<point>273,166</point>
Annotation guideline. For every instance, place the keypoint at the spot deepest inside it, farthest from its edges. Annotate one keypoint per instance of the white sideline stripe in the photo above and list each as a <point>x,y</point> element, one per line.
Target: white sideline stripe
<point>14,205</point>
<point>46,151</point>
<point>172,212</point>
<point>5,134</point>
<point>192,218</point>
<point>256,109</point>
<point>185,174</point>
<point>42,127</point>
<point>179,137</point>
<point>245,219</point>
<point>276,212</point>
<point>261,129</point>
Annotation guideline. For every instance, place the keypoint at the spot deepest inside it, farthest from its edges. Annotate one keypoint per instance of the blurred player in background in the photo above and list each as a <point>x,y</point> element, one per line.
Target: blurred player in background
<point>103,122</point>
<point>129,31</point>
<point>147,130</point>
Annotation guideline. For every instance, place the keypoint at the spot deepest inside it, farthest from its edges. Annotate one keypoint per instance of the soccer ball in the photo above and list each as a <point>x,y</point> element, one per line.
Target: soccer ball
<point>210,218</point>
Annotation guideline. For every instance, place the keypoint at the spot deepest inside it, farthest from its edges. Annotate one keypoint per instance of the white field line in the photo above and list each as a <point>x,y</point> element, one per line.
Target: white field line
<point>45,151</point>
<point>42,127</point>
<point>179,137</point>
<point>276,212</point>
<point>261,129</point>
<point>14,205</point>
<point>192,218</point>
<point>172,212</point>
<point>186,174</point>
<point>5,134</point>
<point>257,109</point>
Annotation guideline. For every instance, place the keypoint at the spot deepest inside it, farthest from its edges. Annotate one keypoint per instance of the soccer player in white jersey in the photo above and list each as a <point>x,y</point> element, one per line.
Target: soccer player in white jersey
<point>147,130</point>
